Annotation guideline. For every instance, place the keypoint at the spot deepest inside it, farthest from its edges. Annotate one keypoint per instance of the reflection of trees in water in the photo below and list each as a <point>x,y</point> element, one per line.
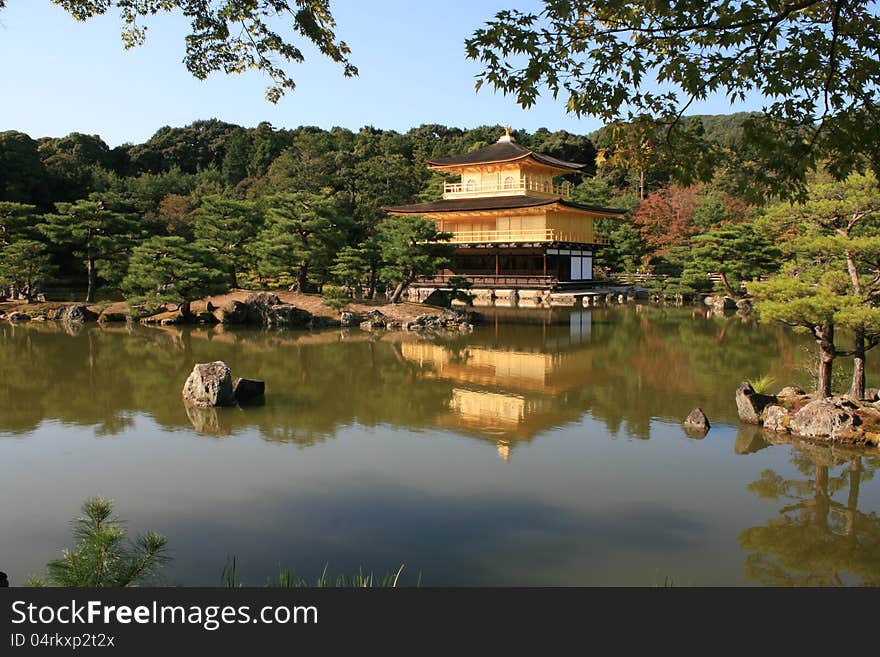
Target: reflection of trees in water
<point>105,375</point>
<point>663,361</point>
<point>628,368</point>
<point>817,540</point>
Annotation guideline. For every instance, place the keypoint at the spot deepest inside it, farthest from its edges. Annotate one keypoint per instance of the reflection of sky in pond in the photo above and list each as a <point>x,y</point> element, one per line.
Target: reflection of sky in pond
<point>532,452</point>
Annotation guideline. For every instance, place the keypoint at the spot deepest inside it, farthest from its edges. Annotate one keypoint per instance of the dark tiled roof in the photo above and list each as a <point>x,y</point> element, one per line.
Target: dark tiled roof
<point>494,203</point>
<point>503,151</point>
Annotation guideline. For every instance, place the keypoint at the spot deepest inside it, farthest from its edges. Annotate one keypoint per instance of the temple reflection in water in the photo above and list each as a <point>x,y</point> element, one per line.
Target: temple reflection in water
<point>504,393</point>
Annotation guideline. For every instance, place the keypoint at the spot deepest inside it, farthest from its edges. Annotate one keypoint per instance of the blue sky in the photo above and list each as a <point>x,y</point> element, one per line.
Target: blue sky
<point>60,76</point>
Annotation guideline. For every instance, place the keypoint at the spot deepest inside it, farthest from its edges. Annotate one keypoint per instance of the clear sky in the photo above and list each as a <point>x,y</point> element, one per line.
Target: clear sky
<point>58,76</point>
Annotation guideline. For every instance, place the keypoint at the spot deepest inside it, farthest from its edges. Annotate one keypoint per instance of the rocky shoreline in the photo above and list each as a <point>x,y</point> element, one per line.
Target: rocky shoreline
<point>792,411</point>
<point>264,309</point>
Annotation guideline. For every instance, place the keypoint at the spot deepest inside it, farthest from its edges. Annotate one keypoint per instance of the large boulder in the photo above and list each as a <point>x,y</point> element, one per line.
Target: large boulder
<point>285,315</point>
<point>790,392</point>
<point>373,320</point>
<point>825,418</point>
<point>720,304</point>
<point>76,313</point>
<point>262,299</point>
<point>348,319</point>
<point>776,418</point>
<point>258,305</point>
<point>231,312</point>
<point>697,422</point>
<point>872,394</point>
<point>209,384</point>
<point>750,404</point>
<point>246,390</point>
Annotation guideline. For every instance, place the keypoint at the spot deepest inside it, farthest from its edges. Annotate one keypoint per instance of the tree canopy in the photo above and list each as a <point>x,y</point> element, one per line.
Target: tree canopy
<point>817,62</point>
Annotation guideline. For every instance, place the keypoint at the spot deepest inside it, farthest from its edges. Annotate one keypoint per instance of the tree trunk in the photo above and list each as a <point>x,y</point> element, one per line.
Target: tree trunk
<point>92,278</point>
<point>827,352</point>
<point>398,291</point>
<point>826,362</point>
<point>857,389</point>
<point>234,278</point>
<point>302,279</point>
<point>726,285</point>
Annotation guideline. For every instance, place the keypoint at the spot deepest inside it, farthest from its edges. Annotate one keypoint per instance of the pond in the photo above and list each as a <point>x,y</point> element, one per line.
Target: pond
<point>545,448</point>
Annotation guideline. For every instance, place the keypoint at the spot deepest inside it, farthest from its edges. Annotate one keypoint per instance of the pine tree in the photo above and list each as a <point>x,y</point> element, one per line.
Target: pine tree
<point>734,251</point>
<point>303,232</point>
<point>96,232</point>
<point>24,264</point>
<point>172,270</point>
<point>103,556</point>
<point>225,226</point>
<point>411,247</point>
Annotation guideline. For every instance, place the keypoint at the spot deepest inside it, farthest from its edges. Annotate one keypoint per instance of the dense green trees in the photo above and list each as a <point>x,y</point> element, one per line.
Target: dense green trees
<point>832,280</point>
<point>410,247</point>
<point>304,207</point>
<point>98,232</point>
<point>24,264</point>
<point>647,62</point>
<point>172,270</point>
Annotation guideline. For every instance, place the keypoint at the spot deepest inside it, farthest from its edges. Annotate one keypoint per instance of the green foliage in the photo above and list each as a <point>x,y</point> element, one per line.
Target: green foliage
<point>17,220</point>
<point>411,247</point>
<point>762,385</point>
<point>98,230</point>
<point>103,556</point>
<point>225,226</point>
<point>608,57</point>
<point>355,266</point>
<point>737,251</point>
<point>171,270</point>
<point>24,264</point>
<point>302,233</point>
<point>335,297</point>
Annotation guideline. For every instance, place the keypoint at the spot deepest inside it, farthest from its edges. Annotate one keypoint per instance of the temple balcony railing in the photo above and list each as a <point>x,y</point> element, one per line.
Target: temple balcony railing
<point>524,235</point>
<point>519,186</point>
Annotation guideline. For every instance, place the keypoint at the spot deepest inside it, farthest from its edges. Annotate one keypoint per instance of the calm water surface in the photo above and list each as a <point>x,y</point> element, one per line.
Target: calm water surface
<point>543,449</point>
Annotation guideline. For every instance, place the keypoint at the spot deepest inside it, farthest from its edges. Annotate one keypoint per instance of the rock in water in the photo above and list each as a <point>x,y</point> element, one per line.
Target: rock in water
<point>776,418</point>
<point>750,404</point>
<point>231,312</point>
<point>77,313</point>
<point>697,421</point>
<point>4,582</point>
<point>246,390</point>
<point>825,418</point>
<point>209,384</point>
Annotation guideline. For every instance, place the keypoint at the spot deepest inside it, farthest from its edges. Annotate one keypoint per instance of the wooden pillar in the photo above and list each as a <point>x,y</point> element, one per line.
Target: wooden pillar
<point>497,271</point>
<point>545,264</point>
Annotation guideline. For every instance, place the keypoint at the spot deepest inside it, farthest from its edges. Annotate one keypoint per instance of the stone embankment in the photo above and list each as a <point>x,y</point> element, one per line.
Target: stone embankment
<point>265,309</point>
<point>831,419</point>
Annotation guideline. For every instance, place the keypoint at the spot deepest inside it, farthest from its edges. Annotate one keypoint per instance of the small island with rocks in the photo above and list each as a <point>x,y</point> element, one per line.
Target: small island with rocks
<point>827,419</point>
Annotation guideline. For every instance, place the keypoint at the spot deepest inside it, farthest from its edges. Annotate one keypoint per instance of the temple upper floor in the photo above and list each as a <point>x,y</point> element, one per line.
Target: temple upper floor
<point>505,169</point>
